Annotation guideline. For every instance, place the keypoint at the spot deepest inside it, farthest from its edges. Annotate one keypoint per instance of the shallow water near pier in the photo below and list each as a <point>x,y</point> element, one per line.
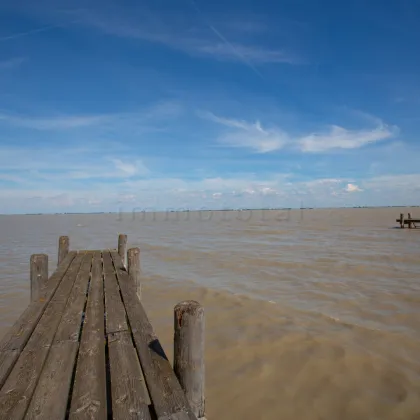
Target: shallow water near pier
<point>310,314</point>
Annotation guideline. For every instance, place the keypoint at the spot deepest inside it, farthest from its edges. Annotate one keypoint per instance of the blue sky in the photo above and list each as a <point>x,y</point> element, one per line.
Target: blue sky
<point>197,104</point>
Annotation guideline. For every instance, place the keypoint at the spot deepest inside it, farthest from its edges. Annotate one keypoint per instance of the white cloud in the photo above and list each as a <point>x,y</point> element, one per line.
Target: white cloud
<point>262,140</point>
<point>403,182</point>
<point>341,138</point>
<point>129,169</point>
<point>19,166</point>
<point>249,135</point>
<point>352,188</point>
<point>247,191</point>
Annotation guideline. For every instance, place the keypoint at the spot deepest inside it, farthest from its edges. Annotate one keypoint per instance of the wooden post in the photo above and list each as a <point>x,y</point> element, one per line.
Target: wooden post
<point>189,353</point>
<point>63,248</point>
<point>133,266</point>
<point>402,220</point>
<point>122,248</point>
<point>409,223</point>
<point>39,274</point>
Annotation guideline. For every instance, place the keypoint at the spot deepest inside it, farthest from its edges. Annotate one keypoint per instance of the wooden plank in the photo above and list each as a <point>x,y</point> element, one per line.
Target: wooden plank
<point>167,396</point>
<point>51,395</point>
<point>89,399</point>
<point>70,325</point>
<point>7,361</point>
<point>133,265</point>
<point>115,311</point>
<point>19,387</point>
<point>17,337</point>
<point>128,392</point>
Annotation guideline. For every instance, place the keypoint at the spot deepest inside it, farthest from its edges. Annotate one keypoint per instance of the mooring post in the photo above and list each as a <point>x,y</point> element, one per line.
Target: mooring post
<point>409,223</point>
<point>189,353</point>
<point>122,248</point>
<point>402,220</point>
<point>133,267</point>
<point>39,274</point>
<point>63,248</point>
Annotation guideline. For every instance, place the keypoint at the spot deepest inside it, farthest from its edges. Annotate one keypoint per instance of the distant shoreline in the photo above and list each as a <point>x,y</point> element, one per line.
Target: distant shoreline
<point>136,210</point>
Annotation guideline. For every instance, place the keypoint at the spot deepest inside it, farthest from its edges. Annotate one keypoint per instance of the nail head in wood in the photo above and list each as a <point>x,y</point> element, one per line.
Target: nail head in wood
<point>133,266</point>
<point>39,274</point>
<point>189,353</point>
<point>63,248</point>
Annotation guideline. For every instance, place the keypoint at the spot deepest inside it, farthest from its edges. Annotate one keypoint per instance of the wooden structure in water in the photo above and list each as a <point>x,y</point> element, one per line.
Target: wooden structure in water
<point>410,221</point>
<point>85,349</point>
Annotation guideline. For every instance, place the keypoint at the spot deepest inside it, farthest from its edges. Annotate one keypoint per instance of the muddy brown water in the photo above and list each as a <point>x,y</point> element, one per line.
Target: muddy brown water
<point>310,315</point>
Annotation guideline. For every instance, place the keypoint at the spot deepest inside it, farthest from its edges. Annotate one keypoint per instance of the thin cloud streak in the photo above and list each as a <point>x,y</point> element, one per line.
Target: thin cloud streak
<point>236,51</point>
<point>341,138</point>
<point>54,123</point>
<point>142,117</point>
<point>178,39</point>
<point>262,140</point>
<point>36,31</point>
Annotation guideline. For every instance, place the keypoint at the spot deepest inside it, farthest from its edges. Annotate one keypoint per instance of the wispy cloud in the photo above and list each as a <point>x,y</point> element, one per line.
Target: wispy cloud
<point>11,63</point>
<point>36,30</point>
<point>340,138</point>
<point>143,116</point>
<point>249,135</point>
<point>262,140</point>
<point>251,54</point>
<point>178,36</point>
<point>52,123</point>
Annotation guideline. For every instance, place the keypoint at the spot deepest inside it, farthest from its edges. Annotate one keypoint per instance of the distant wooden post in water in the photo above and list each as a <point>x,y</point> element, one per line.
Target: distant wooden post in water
<point>189,353</point>
<point>84,348</point>
<point>63,248</point>
<point>133,268</point>
<point>122,248</point>
<point>39,274</point>
<point>410,221</point>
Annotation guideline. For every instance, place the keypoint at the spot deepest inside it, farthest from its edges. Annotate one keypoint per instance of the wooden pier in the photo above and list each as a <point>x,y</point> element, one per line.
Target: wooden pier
<point>85,349</point>
<point>410,221</point>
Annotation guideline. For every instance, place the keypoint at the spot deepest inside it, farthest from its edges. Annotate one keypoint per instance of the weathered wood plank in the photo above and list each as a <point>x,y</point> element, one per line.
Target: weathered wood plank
<point>51,395</point>
<point>17,337</point>
<point>128,391</point>
<point>167,396</point>
<point>70,325</point>
<point>52,391</point>
<point>19,387</point>
<point>133,268</point>
<point>7,360</point>
<point>115,311</point>
<point>89,390</point>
